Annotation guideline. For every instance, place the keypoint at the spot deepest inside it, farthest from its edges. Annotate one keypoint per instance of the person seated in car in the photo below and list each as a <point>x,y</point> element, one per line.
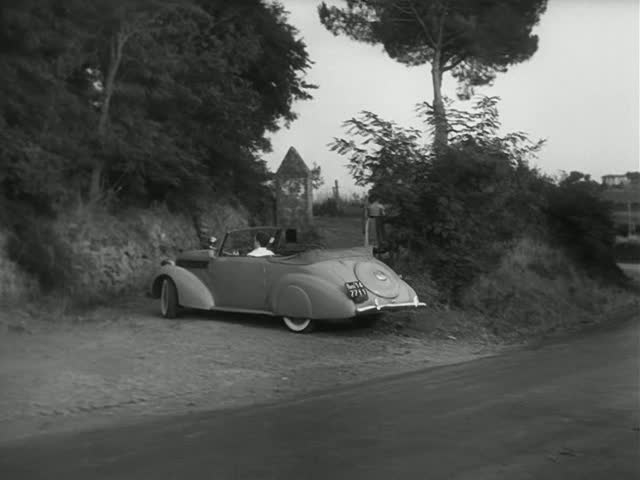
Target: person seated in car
<point>260,244</point>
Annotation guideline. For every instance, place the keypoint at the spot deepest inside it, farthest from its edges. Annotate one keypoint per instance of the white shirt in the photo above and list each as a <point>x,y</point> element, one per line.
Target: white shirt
<point>376,209</point>
<point>260,252</point>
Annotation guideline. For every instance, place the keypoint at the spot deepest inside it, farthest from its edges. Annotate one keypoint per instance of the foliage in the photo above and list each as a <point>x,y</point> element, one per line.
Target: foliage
<point>316,176</point>
<point>346,206</point>
<point>151,97</point>
<point>582,222</point>
<point>459,210</point>
<point>33,245</point>
<point>536,289</point>
<point>472,40</point>
<point>328,207</point>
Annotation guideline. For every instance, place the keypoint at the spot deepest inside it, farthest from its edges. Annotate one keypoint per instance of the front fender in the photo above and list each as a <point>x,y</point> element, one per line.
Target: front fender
<point>301,295</point>
<point>192,292</point>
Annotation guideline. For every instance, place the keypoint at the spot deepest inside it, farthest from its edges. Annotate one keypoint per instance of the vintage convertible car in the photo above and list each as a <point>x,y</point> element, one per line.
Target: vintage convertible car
<point>300,283</point>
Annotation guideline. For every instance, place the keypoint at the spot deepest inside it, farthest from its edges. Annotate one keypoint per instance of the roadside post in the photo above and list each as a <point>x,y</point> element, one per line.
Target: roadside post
<point>365,220</point>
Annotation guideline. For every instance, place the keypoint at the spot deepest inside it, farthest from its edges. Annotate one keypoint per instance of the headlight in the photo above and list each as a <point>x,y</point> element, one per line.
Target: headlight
<point>167,262</point>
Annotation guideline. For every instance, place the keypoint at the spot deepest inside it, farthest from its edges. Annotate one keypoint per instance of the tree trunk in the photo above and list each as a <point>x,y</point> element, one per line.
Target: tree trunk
<point>441,134</point>
<point>115,59</point>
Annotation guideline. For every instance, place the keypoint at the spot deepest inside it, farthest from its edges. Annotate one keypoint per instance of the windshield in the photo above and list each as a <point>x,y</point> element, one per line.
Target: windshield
<point>241,242</point>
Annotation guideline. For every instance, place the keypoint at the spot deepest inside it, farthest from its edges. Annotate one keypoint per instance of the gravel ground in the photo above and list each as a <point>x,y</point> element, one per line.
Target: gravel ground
<point>123,364</point>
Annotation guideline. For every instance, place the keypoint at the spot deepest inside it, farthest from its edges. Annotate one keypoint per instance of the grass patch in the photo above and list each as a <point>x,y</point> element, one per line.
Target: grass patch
<point>535,291</point>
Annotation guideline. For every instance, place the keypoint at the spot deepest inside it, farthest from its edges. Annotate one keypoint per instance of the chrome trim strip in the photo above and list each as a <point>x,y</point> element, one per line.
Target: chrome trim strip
<point>242,310</point>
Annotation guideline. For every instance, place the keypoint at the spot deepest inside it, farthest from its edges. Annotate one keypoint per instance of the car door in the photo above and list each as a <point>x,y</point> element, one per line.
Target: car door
<point>239,282</point>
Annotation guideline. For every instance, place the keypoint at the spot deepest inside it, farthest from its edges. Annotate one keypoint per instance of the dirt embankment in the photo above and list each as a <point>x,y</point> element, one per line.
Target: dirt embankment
<point>88,253</point>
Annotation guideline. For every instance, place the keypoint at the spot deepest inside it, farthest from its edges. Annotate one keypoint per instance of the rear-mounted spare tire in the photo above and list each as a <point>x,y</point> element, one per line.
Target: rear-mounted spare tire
<point>378,279</point>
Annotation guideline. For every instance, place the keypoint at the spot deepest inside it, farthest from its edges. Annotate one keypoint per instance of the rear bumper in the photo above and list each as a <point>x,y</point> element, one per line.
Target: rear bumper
<point>378,306</point>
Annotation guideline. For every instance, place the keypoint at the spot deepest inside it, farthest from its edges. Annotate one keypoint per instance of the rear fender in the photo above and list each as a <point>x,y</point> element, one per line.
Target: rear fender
<point>301,295</point>
<point>192,292</point>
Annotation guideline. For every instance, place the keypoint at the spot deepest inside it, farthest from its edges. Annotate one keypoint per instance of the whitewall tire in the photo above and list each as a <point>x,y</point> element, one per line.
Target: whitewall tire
<point>299,325</point>
<point>168,299</point>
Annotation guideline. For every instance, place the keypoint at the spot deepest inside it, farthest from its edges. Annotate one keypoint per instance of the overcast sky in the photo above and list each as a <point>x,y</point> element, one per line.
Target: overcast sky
<point>580,90</point>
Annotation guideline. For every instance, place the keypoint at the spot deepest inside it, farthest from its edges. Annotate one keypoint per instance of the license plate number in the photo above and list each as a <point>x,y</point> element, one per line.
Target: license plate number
<point>356,289</point>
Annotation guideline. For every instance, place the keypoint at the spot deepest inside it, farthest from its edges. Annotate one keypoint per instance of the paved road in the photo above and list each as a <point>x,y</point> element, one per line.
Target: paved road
<point>567,410</point>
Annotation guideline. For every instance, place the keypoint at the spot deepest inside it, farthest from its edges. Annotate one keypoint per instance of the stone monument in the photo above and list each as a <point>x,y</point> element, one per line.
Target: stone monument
<point>294,193</point>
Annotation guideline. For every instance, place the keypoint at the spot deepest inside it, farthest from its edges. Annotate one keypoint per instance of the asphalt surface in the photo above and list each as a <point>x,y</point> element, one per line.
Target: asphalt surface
<point>566,410</point>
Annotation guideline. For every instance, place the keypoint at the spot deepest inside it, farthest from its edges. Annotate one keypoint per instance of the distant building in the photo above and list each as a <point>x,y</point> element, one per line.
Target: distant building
<point>623,194</point>
<point>614,180</point>
<point>620,180</point>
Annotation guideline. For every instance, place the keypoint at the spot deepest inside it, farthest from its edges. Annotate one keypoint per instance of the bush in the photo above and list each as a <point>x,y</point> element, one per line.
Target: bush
<point>582,224</point>
<point>345,207</point>
<point>459,208</point>
<point>537,289</point>
<point>328,207</point>
<point>469,206</point>
<point>34,246</point>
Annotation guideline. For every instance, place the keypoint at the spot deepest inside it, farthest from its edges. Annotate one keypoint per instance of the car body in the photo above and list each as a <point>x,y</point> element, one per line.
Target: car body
<point>301,284</point>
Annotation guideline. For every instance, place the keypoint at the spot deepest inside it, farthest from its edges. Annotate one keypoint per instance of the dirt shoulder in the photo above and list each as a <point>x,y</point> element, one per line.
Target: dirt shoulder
<point>124,364</point>
<point>121,364</point>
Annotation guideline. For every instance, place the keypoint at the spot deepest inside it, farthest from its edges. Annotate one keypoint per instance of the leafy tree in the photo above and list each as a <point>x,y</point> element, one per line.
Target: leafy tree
<point>142,97</point>
<point>473,40</point>
<point>316,176</point>
<point>43,133</point>
<point>229,72</point>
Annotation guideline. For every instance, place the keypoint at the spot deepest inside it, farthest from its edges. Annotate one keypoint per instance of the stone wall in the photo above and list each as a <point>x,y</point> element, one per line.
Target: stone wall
<point>110,255</point>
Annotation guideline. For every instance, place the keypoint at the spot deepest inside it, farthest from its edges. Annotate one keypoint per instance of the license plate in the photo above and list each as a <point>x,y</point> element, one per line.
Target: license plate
<point>356,289</point>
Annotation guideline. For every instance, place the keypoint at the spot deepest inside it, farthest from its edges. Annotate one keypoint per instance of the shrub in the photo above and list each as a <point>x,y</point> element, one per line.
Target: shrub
<point>537,289</point>
<point>34,246</point>
<point>350,206</point>
<point>582,223</point>
<point>457,210</point>
<point>328,207</point>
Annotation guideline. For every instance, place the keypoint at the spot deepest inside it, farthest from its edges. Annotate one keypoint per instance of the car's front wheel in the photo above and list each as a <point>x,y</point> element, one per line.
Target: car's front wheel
<point>299,325</point>
<point>168,299</point>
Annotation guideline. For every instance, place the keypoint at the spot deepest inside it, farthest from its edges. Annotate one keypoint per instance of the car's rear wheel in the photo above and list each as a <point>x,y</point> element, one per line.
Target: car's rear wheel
<point>299,325</point>
<point>168,299</point>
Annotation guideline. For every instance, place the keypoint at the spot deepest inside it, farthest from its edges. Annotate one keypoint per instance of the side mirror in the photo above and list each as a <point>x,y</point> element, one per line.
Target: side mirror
<point>212,242</point>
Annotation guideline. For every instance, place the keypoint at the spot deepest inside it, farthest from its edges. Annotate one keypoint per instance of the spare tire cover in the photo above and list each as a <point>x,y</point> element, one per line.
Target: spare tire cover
<point>377,279</point>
